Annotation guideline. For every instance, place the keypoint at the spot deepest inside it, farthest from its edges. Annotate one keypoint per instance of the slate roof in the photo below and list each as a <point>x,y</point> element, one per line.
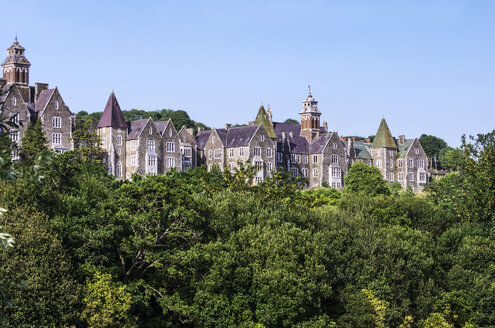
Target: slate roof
<point>298,145</point>
<point>317,145</point>
<point>202,138</point>
<point>43,99</point>
<point>240,136</point>
<point>383,138</point>
<point>136,127</point>
<point>286,127</point>
<point>112,115</point>
<point>262,119</point>
<point>161,126</point>
<point>404,148</point>
<point>361,149</point>
<point>222,134</point>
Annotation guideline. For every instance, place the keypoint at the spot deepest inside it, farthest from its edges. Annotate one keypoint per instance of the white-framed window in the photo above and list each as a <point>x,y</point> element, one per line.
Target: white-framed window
<point>119,151</point>
<point>410,163</point>
<point>258,179</point>
<point>304,172</point>
<point>170,147</point>
<point>378,163</point>
<point>279,157</point>
<point>391,153</point>
<point>305,159</point>
<point>336,172</point>
<point>56,104</point>
<point>334,145</point>
<point>262,138</point>
<point>410,177</point>
<point>231,153</point>
<point>218,153</point>
<point>336,185</point>
<point>257,151</point>
<point>119,140</point>
<point>315,158</point>
<point>14,101</point>
<point>293,158</point>
<point>133,144</point>
<point>400,162</point>
<point>56,122</point>
<point>150,144</point>
<point>258,165</point>
<point>422,177</point>
<point>294,171</point>
<point>232,166</point>
<point>335,159</point>
<point>132,160</point>
<point>269,153</point>
<point>14,154</point>
<point>14,135</point>
<point>315,172</point>
<point>14,118</point>
<point>416,151</point>
<point>269,166</point>
<point>56,138</point>
<point>118,172</point>
<point>241,152</point>
<point>188,152</point>
<point>151,160</point>
<point>421,163</point>
<point>210,152</point>
<point>170,133</point>
<point>170,162</point>
<point>151,130</point>
<point>390,177</point>
<point>401,176</point>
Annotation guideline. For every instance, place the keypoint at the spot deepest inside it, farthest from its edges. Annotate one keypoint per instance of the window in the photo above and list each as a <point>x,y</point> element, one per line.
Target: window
<point>209,153</point>
<point>150,144</point>
<point>262,138</point>
<point>56,122</point>
<point>232,166</point>
<point>410,177</point>
<point>334,145</point>
<point>14,154</point>
<point>151,160</point>
<point>151,130</point>
<point>257,151</point>
<point>119,151</point>
<point>133,145</point>
<point>279,157</point>
<point>269,153</point>
<point>293,158</point>
<point>335,159</point>
<point>14,118</point>
<point>231,153</point>
<point>56,138</point>
<point>258,165</point>
<point>315,158</point>
<point>416,151</point>
<point>187,152</point>
<point>305,159</point>
<point>304,172</point>
<point>269,166</point>
<point>336,172</point>
<point>401,176</point>
<point>170,147</point>
<point>422,177</point>
<point>391,153</point>
<point>421,163</point>
<point>315,172</point>
<point>118,172</point>
<point>170,133</point>
<point>218,153</point>
<point>378,163</point>
<point>336,185</point>
<point>104,142</point>
<point>241,151</point>
<point>212,139</point>
<point>410,163</point>
<point>259,179</point>
<point>294,171</point>
<point>400,163</point>
<point>170,162</point>
<point>56,104</point>
<point>14,101</point>
<point>119,140</point>
<point>14,135</point>
<point>390,177</point>
<point>132,160</point>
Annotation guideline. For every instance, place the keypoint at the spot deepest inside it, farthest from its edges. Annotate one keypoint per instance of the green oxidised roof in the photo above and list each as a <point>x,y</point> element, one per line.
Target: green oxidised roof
<point>361,150</point>
<point>383,138</point>
<point>262,119</point>
<point>404,148</point>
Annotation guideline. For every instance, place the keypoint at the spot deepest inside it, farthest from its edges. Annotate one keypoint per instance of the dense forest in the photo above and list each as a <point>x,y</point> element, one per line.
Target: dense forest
<point>210,249</point>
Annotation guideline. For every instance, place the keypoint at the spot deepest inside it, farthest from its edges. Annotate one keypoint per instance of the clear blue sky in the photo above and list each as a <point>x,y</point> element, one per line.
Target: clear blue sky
<point>426,66</point>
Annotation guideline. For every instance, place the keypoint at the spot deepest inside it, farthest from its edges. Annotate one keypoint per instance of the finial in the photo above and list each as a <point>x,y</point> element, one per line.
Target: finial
<point>15,37</point>
<point>309,88</point>
<point>112,90</point>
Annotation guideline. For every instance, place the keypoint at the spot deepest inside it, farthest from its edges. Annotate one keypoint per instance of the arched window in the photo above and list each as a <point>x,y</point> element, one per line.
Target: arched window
<point>118,173</point>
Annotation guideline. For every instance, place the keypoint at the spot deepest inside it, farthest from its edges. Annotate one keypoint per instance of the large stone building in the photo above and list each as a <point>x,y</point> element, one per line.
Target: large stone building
<point>24,104</point>
<point>307,149</point>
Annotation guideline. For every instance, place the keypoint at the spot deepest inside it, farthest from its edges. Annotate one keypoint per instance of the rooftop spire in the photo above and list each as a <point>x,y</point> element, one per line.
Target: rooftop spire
<point>112,115</point>
<point>263,119</point>
<point>383,138</point>
<point>309,89</point>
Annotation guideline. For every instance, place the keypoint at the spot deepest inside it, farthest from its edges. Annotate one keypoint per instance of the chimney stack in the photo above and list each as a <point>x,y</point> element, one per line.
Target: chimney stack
<point>190,131</point>
<point>325,126</point>
<point>200,129</point>
<point>228,126</point>
<point>402,139</point>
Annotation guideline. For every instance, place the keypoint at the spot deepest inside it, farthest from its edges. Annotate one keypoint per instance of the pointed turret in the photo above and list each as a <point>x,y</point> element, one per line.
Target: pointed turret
<point>383,138</point>
<point>112,115</point>
<point>16,67</point>
<point>310,118</point>
<point>263,119</point>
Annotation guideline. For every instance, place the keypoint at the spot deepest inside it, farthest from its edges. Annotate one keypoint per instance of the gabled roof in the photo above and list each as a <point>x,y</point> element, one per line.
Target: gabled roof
<point>361,150</point>
<point>136,127</point>
<point>262,119</point>
<point>287,128</point>
<point>319,144</point>
<point>202,138</point>
<point>112,115</point>
<point>43,100</point>
<point>240,136</point>
<point>383,138</point>
<point>222,134</point>
<point>404,148</point>
<point>161,126</point>
<point>298,145</point>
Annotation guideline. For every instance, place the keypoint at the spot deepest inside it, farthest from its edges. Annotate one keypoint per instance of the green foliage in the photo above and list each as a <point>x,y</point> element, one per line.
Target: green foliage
<point>87,143</point>
<point>291,121</point>
<point>452,159</point>
<point>33,143</point>
<point>107,304</point>
<point>432,145</point>
<point>366,179</point>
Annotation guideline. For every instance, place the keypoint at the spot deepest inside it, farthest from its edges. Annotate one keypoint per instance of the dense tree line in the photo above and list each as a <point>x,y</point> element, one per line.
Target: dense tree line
<point>210,249</point>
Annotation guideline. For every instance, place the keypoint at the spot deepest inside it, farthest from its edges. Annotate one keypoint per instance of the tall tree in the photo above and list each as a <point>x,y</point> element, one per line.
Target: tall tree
<point>366,179</point>
<point>87,143</point>
<point>432,146</point>
<point>34,142</point>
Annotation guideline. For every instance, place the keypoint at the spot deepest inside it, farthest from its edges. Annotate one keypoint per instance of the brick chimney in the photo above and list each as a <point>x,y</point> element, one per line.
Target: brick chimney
<point>200,129</point>
<point>402,139</point>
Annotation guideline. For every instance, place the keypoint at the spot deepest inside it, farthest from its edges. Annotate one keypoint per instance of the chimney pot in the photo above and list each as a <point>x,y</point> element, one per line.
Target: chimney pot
<point>402,139</point>
<point>228,126</point>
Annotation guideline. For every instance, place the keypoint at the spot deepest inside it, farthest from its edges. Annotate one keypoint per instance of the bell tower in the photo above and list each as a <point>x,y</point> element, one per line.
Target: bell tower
<point>16,67</point>
<point>310,118</point>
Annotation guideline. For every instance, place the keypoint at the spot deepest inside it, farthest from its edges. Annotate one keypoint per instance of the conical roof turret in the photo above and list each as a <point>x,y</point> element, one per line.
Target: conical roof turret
<point>263,119</point>
<point>112,115</point>
<point>383,137</point>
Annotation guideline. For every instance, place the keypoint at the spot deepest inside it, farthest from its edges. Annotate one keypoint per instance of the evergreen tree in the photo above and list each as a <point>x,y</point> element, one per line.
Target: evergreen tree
<point>34,143</point>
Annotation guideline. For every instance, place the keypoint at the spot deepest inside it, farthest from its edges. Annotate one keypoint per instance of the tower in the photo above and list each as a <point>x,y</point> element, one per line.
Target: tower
<point>310,118</point>
<point>384,150</point>
<point>16,67</point>
<point>112,129</point>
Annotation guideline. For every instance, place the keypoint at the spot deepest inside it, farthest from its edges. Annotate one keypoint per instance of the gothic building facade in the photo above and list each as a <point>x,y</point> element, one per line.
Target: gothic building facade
<point>143,147</point>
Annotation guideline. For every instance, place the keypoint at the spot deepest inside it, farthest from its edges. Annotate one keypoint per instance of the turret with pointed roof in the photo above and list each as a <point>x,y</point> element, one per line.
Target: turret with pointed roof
<point>16,67</point>
<point>310,118</point>
<point>383,137</point>
<point>112,115</point>
<point>263,119</point>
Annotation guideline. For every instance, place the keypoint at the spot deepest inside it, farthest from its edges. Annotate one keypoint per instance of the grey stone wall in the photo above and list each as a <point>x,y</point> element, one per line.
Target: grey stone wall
<point>57,108</point>
<point>170,135</point>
